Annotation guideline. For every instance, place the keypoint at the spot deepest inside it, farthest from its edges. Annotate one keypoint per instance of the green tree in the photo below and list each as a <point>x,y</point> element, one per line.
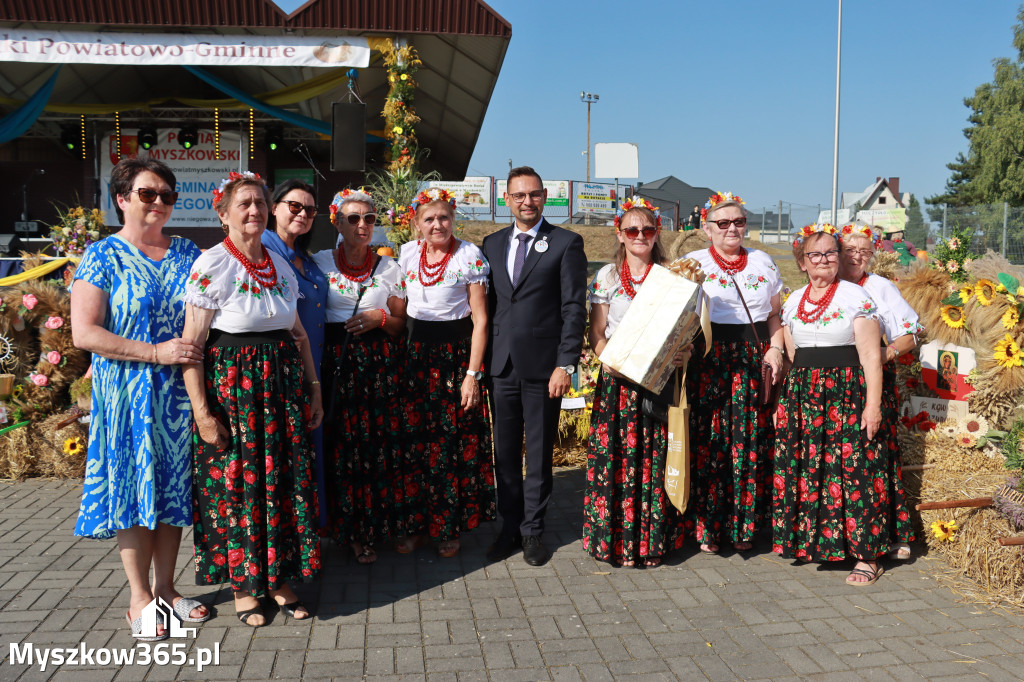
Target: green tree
<point>993,170</point>
<point>916,228</point>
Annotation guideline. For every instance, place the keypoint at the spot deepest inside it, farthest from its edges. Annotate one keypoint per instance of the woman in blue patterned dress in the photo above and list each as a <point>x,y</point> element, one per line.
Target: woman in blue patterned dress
<point>127,309</point>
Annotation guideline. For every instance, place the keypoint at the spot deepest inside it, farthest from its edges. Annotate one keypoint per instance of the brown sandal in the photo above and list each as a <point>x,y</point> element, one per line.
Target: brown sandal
<point>448,549</point>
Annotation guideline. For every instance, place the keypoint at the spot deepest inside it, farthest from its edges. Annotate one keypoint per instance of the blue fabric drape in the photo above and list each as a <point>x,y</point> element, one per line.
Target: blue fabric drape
<point>277,112</point>
<point>21,119</point>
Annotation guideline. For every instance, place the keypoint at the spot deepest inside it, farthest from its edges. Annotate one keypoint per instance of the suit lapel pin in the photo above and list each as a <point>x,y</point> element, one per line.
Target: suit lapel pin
<point>541,245</point>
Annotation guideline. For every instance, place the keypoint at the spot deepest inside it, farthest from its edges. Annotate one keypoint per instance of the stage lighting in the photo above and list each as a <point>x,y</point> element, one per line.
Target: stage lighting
<point>148,137</point>
<point>70,138</point>
<point>188,136</point>
<point>275,138</point>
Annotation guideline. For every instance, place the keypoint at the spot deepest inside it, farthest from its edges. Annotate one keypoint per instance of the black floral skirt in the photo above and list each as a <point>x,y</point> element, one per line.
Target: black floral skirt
<point>731,443</point>
<point>255,513</point>
<point>903,530</point>
<point>830,491</point>
<point>445,483</point>
<point>362,427</point>
<point>627,517</point>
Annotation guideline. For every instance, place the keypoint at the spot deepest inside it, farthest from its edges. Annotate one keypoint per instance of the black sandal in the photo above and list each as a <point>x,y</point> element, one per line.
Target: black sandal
<point>244,616</point>
<point>872,575</point>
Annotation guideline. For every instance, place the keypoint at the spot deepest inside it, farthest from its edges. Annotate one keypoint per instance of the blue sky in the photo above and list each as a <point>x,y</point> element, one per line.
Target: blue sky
<point>739,95</point>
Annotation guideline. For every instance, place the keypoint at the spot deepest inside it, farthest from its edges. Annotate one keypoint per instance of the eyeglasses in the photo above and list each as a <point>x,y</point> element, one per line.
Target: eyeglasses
<point>296,208</point>
<point>634,232</point>
<point>816,256</point>
<point>520,197</point>
<point>724,224</point>
<point>354,218</point>
<point>148,196</point>
<point>864,253</point>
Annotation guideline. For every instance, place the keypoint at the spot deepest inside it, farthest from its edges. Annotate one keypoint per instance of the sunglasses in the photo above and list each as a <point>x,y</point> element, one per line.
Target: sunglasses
<point>634,232</point>
<point>724,224</point>
<point>148,196</point>
<point>354,218</point>
<point>296,208</point>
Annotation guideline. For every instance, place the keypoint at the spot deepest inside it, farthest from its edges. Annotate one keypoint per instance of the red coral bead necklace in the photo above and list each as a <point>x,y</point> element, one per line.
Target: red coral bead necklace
<point>263,273</point>
<point>359,273</point>
<point>431,274</point>
<point>817,308</point>
<point>730,267</point>
<point>627,281</point>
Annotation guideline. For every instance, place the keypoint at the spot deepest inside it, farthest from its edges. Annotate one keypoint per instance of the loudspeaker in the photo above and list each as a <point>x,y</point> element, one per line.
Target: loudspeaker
<point>348,136</point>
<point>325,235</point>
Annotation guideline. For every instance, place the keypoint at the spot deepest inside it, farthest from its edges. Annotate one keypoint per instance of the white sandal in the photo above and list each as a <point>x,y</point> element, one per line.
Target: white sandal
<point>900,551</point>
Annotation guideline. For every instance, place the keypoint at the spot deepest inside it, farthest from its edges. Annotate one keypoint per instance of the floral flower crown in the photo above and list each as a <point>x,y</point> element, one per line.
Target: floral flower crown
<point>635,202</point>
<point>716,199</point>
<point>218,193</point>
<point>807,230</point>
<point>430,195</point>
<point>851,229</point>
<point>349,195</point>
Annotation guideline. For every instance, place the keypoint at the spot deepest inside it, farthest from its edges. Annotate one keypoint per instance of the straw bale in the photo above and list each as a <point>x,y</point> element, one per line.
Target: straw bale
<point>38,450</point>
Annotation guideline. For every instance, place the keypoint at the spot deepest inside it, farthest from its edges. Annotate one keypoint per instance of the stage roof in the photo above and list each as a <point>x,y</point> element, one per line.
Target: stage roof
<point>462,44</point>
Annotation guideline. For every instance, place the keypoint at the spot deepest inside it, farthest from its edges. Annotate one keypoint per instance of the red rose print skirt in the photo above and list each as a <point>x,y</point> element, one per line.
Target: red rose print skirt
<point>831,487</point>
<point>731,443</point>
<point>362,426</point>
<point>256,509</point>
<point>446,480</point>
<point>627,518</point>
<point>903,530</point>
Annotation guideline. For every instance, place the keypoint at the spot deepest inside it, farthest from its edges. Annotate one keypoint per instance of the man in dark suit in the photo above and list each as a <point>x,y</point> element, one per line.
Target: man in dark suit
<point>537,294</point>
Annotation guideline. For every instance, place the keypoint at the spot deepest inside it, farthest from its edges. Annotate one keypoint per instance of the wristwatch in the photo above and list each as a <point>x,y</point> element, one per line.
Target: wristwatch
<point>478,375</point>
<point>569,369</point>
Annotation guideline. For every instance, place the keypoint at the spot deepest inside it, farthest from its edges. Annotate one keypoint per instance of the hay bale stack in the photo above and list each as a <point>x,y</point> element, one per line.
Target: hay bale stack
<point>996,573</point>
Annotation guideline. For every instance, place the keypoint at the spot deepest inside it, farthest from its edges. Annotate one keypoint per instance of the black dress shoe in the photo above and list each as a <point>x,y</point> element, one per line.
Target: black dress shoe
<point>534,551</point>
<point>503,547</point>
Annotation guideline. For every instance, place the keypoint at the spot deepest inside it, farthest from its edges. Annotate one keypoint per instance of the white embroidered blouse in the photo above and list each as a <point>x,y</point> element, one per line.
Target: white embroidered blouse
<point>607,289</point>
<point>219,282</point>
<point>760,281</point>
<point>835,326</point>
<point>894,313</point>
<point>342,292</point>
<point>448,299</point>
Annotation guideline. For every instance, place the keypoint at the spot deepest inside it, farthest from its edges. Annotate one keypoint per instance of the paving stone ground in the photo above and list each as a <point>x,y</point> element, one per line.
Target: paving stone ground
<point>697,617</point>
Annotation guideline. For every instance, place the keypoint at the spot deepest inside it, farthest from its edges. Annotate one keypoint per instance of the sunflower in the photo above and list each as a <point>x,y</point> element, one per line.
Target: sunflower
<point>944,530</point>
<point>965,293</point>
<point>1007,353</point>
<point>985,290</point>
<point>1010,318</point>
<point>953,316</point>
<point>73,446</point>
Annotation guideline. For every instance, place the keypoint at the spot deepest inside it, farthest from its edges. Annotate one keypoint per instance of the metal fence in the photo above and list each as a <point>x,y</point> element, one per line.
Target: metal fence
<point>999,227</point>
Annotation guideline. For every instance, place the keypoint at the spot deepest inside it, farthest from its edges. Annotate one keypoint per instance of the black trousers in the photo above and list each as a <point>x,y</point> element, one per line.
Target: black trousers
<point>523,406</point>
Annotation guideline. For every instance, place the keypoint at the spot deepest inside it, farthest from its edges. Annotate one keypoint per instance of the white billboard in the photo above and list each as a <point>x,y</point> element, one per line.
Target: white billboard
<point>472,193</point>
<point>174,49</point>
<point>198,170</point>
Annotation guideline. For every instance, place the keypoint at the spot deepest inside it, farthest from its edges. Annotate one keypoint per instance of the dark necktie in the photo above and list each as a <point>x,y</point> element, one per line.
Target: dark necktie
<point>517,264</point>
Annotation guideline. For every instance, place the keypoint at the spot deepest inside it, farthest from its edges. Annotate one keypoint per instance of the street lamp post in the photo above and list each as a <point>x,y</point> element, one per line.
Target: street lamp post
<point>588,98</point>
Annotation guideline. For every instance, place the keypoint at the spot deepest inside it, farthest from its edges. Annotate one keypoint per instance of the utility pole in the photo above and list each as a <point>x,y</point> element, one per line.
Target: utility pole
<point>835,146</point>
<point>588,98</point>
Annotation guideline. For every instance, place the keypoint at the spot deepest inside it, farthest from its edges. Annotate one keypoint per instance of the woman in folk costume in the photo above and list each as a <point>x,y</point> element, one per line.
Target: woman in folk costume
<point>900,326</point>
<point>628,519</point>
<point>731,435</point>
<point>832,470</point>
